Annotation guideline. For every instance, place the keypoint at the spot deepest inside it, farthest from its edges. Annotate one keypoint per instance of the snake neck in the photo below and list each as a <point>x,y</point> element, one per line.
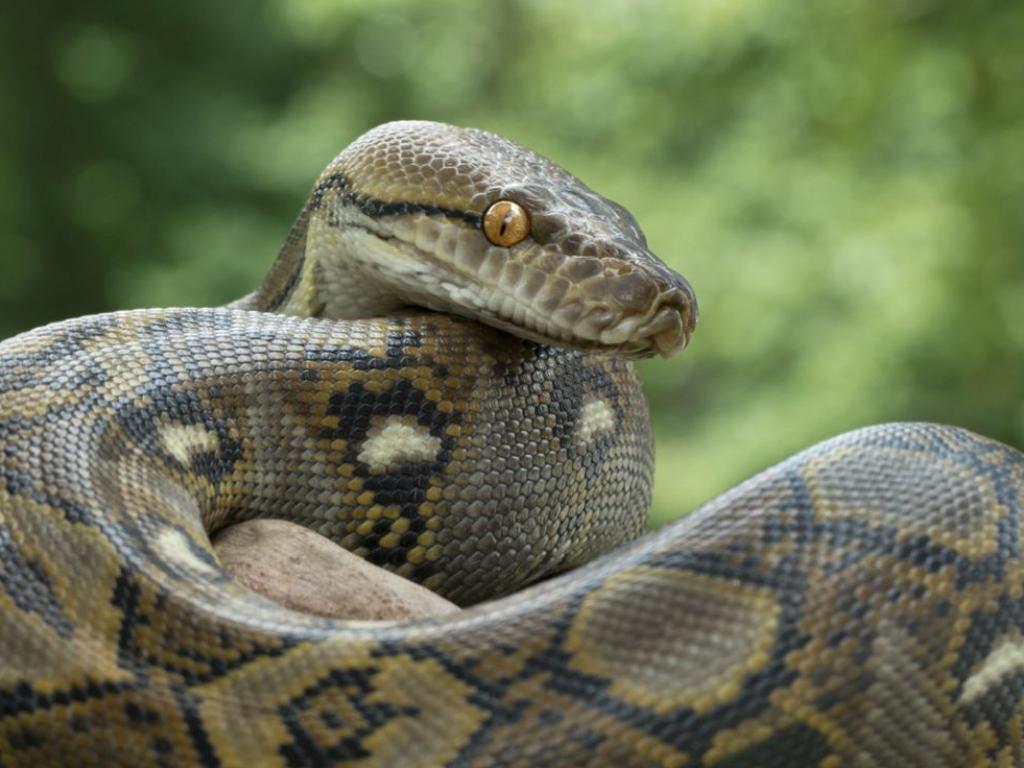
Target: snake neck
<point>290,281</point>
<point>304,282</point>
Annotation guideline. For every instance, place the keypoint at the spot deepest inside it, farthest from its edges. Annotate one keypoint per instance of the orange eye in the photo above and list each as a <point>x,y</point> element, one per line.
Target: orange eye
<point>506,223</point>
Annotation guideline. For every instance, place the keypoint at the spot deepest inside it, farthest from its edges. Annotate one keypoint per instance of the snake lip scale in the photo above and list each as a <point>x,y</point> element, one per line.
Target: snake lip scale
<point>436,374</point>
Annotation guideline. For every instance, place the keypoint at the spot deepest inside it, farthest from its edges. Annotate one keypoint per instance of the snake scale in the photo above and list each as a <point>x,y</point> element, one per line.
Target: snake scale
<point>860,604</point>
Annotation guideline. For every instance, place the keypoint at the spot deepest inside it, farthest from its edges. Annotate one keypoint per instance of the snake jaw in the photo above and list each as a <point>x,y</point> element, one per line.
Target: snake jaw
<point>511,291</point>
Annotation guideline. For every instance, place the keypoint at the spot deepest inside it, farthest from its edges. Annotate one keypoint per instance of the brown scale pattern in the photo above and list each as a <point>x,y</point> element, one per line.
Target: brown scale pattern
<point>860,604</point>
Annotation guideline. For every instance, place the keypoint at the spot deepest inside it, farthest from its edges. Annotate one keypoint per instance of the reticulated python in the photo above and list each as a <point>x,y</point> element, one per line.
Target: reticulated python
<point>860,604</point>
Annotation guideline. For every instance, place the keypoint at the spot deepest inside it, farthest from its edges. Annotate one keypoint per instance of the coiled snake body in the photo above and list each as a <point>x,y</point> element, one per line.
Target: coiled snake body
<point>860,604</point>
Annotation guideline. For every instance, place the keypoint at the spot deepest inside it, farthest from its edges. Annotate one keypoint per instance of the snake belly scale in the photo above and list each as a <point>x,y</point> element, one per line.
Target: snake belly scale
<point>860,604</point>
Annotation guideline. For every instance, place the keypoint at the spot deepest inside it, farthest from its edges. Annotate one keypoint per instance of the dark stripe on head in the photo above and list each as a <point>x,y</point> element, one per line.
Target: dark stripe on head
<point>376,209</point>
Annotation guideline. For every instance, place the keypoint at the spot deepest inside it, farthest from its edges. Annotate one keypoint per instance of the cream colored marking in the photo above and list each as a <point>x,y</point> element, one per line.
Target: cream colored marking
<point>1007,658</point>
<point>904,713</point>
<point>703,667</point>
<point>183,441</point>
<point>397,441</point>
<point>176,547</point>
<point>596,418</point>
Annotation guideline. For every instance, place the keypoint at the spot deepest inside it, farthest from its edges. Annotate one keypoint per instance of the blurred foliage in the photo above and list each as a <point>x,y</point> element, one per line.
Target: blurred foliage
<point>841,181</point>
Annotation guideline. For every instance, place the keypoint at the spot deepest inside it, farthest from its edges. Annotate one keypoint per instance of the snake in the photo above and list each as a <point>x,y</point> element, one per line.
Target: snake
<point>437,373</point>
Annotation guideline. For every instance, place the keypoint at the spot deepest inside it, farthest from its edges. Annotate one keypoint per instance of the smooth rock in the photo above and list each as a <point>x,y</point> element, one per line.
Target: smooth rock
<point>304,571</point>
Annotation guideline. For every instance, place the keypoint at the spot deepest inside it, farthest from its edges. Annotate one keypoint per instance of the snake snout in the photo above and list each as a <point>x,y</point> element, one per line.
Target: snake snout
<point>671,328</point>
<point>665,325</point>
<point>675,320</point>
<point>635,307</point>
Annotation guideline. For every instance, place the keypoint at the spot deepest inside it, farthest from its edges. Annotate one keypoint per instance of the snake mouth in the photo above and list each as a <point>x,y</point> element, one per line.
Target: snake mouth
<point>664,329</point>
<point>636,308</point>
<point>670,327</point>
<point>583,320</point>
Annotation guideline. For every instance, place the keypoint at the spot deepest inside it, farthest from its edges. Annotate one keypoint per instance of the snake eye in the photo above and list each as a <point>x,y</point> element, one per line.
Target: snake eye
<point>506,223</point>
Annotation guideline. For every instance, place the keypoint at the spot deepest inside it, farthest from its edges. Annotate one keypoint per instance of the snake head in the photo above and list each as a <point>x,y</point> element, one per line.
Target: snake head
<point>463,221</point>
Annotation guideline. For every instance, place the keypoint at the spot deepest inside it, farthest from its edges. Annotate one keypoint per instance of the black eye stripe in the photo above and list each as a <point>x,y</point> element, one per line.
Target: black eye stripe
<point>375,208</point>
<point>378,209</point>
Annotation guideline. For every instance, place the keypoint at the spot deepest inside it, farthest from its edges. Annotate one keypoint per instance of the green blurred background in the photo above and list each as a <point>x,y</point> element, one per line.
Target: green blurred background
<point>842,182</point>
